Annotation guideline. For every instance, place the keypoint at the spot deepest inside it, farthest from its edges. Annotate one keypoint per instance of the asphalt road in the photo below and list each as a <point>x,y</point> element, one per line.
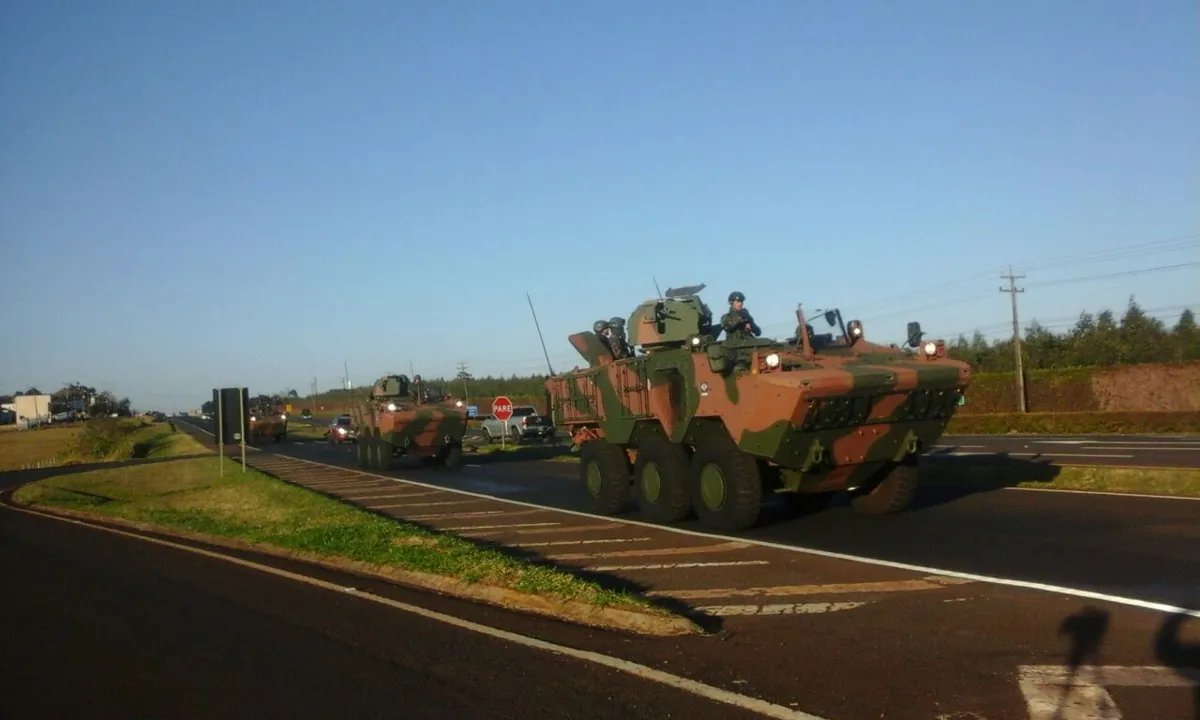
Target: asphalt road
<point>97,625</point>
<point>832,636</point>
<point>1158,451</point>
<point>1148,548</point>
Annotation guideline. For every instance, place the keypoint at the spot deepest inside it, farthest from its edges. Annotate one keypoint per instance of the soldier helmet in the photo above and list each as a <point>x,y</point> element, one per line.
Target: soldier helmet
<point>617,322</point>
<point>736,296</point>
<point>600,326</point>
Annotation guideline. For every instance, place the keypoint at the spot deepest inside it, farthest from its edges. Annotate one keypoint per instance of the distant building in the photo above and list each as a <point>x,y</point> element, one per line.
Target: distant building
<point>32,409</point>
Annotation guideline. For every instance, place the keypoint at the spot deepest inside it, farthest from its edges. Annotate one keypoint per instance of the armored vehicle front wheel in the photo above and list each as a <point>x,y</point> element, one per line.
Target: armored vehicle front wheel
<point>604,469</point>
<point>385,453</point>
<point>725,487</point>
<point>890,491</point>
<point>661,481</point>
<point>452,456</point>
<point>363,450</point>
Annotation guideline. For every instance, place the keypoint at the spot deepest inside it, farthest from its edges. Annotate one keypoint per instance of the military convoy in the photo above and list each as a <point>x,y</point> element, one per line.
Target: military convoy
<point>267,419</point>
<point>399,419</point>
<point>692,425</point>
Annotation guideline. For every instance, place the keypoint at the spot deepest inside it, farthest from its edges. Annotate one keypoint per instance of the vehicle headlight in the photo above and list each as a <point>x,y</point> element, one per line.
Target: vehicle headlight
<point>283,416</point>
<point>695,341</point>
<point>342,430</point>
<point>931,348</point>
<point>773,360</point>
<point>458,404</point>
<point>391,407</point>
<point>252,418</point>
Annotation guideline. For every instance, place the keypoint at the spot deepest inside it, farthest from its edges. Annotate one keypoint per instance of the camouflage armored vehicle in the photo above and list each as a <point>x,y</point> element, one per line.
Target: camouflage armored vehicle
<point>692,424</point>
<point>394,421</point>
<point>267,419</point>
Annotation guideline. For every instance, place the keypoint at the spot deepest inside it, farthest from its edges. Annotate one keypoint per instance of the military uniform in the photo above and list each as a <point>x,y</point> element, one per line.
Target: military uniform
<point>738,322</point>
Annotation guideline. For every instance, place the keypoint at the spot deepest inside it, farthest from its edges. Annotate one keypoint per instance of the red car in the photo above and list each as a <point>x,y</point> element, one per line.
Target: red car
<point>341,430</point>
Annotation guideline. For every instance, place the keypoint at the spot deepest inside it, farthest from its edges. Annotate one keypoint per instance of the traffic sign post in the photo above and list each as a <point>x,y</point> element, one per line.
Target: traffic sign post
<point>502,409</point>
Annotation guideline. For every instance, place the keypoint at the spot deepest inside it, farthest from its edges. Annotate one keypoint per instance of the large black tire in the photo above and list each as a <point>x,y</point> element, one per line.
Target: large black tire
<point>452,456</point>
<point>386,454</point>
<point>660,478</point>
<point>891,491</point>
<point>363,449</point>
<point>725,486</point>
<point>604,470</point>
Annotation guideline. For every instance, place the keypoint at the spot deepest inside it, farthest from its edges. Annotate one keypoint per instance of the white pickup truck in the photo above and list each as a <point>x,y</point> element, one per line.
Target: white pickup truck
<point>524,423</point>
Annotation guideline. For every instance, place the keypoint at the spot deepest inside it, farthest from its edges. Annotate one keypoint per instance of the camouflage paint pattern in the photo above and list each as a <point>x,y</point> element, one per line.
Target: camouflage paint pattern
<point>816,421</point>
<point>393,422</point>
<point>267,421</point>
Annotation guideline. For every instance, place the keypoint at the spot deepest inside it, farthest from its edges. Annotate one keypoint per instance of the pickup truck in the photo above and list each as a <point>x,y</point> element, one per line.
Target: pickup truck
<point>524,423</point>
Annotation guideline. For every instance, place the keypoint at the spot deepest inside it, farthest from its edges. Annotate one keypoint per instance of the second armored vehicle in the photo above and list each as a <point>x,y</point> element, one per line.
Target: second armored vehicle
<point>267,420</point>
<point>695,425</point>
<point>393,422</point>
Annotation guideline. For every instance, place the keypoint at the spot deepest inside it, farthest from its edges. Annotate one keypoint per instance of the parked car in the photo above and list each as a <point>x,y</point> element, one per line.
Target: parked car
<point>342,430</point>
<point>524,423</point>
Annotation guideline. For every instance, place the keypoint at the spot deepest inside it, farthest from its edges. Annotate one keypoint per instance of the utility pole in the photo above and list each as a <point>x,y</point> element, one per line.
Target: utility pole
<point>1012,289</point>
<point>463,375</point>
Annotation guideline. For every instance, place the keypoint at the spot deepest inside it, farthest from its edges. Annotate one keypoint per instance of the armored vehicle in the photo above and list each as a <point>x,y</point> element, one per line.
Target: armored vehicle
<point>267,419</point>
<point>394,421</point>
<point>692,424</point>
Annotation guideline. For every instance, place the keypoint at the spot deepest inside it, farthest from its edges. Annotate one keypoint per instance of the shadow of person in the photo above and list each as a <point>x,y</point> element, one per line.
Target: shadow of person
<point>1183,658</point>
<point>1086,630</point>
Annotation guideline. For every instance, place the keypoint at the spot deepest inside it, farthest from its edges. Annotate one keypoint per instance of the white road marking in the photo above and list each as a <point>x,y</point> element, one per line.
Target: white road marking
<point>688,550</point>
<point>780,609</point>
<point>1051,693</point>
<point>583,542</point>
<point>1048,454</point>
<point>494,527</point>
<point>888,586</point>
<point>864,560</point>
<point>428,504</point>
<point>1156,448</point>
<point>1060,442</point>
<point>387,497</point>
<point>1109,493</point>
<point>674,566</point>
<point>694,687</point>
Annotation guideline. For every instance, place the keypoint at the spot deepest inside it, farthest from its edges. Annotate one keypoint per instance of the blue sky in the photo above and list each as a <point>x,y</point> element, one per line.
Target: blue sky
<point>206,193</point>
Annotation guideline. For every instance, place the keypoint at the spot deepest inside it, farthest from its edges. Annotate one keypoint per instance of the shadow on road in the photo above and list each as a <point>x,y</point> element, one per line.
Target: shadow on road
<point>1182,657</point>
<point>945,479</point>
<point>19,477</point>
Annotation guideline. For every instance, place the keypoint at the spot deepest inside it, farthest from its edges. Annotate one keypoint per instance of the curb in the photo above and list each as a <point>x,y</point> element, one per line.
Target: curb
<point>567,610</point>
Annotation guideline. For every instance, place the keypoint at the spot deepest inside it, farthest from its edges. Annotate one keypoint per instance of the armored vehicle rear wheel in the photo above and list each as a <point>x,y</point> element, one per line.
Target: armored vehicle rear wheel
<point>386,454</point>
<point>661,481</point>
<point>604,469</point>
<point>890,491</point>
<point>452,456</point>
<point>725,486</point>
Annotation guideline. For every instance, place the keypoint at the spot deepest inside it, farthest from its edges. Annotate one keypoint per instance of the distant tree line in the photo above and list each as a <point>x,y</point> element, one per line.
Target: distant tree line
<point>80,398</point>
<point>1095,340</point>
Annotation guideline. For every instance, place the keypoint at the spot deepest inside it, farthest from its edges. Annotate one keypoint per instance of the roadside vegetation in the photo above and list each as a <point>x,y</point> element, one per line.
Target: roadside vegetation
<point>1148,481</point>
<point>190,495</point>
<point>94,441</point>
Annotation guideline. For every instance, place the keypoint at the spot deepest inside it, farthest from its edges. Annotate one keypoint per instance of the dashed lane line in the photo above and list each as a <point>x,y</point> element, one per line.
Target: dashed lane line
<point>563,529</point>
<point>493,527</point>
<point>644,672</point>
<point>387,497</point>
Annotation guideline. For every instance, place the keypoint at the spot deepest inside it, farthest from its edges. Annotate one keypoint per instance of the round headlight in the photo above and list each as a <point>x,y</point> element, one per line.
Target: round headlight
<point>931,348</point>
<point>856,330</point>
<point>391,407</point>
<point>773,360</point>
<point>252,418</point>
<point>458,403</point>
<point>283,416</point>
<point>696,340</point>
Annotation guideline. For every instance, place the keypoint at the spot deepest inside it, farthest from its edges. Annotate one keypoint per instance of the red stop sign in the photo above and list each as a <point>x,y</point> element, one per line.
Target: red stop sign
<point>502,408</point>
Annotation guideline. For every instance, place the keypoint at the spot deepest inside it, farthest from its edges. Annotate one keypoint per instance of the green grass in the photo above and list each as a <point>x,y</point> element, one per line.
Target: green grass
<point>190,494</point>
<point>1075,423</point>
<point>99,440</point>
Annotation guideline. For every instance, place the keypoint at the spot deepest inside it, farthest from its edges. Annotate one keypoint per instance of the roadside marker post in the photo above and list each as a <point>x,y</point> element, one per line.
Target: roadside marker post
<point>502,409</point>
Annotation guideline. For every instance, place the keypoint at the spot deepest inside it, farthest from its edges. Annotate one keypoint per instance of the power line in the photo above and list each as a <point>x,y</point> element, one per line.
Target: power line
<point>1121,273</point>
<point>1012,289</point>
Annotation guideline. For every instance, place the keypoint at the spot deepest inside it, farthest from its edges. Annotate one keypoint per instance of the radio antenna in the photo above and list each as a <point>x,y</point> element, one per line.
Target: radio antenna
<point>539,332</point>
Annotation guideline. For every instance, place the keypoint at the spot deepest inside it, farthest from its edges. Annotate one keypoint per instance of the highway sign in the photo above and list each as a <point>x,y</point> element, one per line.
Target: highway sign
<point>502,408</point>
<point>472,411</point>
<point>288,408</point>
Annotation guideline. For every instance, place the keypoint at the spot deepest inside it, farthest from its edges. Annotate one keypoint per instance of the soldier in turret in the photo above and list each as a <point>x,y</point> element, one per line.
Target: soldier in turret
<point>617,339</point>
<point>738,322</point>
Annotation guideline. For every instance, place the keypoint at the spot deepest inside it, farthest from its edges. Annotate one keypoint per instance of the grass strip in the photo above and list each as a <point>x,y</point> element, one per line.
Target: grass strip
<point>1076,423</point>
<point>1170,482</point>
<point>190,495</point>
<point>100,440</point>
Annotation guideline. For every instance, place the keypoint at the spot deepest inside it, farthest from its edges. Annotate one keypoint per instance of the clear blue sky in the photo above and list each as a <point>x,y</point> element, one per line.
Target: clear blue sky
<point>215,193</point>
